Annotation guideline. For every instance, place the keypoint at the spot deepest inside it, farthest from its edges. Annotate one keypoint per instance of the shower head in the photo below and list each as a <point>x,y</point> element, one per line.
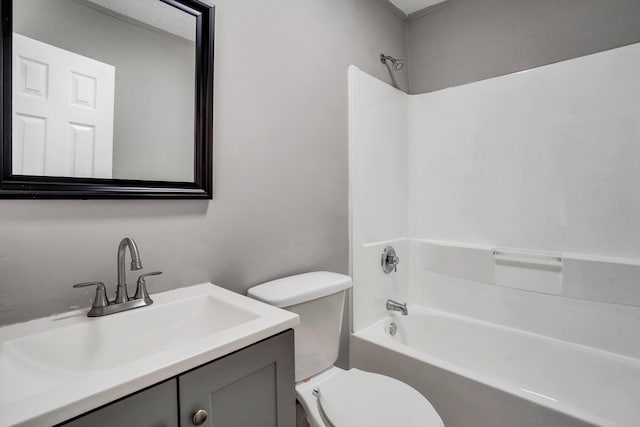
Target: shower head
<point>396,64</point>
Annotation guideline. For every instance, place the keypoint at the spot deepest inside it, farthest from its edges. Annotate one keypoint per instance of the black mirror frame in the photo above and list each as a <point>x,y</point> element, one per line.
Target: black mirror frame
<point>41,187</point>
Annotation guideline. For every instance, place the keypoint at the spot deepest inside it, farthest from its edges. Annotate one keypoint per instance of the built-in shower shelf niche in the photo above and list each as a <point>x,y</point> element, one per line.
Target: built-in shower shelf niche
<point>595,278</point>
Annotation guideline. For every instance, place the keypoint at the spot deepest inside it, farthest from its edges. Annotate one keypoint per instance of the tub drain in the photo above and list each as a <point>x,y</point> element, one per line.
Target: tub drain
<point>393,328</point>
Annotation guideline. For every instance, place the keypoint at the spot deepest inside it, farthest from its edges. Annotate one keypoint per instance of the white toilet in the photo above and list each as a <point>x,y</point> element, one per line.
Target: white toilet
<point>333,397</point>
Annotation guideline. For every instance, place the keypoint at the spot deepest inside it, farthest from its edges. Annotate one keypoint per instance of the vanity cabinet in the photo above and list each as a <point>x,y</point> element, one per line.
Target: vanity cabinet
<point>253,386</point>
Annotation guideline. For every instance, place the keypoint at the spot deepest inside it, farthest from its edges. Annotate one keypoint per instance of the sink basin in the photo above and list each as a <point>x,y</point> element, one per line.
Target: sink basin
<point>68,364</point>
<point>108,342</point>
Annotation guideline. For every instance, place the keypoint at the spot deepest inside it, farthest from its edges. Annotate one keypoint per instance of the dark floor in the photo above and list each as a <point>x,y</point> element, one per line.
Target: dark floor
<point>301,417</point>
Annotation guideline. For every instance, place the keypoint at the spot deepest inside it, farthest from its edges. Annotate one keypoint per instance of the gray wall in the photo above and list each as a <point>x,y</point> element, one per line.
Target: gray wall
<point>153,120</point>
<point>280,204</point>
<point>470,40</point>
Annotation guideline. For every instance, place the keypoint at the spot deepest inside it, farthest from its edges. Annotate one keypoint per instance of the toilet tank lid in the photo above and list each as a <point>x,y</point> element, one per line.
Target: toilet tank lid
<point>300,288</point>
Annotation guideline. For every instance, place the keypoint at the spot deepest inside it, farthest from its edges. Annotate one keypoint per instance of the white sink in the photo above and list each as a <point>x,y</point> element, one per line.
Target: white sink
<point>55,368</point>
<point>105,343</point>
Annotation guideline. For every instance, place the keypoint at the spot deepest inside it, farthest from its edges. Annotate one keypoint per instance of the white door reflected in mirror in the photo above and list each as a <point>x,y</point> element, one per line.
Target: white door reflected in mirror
<point>63,107</point>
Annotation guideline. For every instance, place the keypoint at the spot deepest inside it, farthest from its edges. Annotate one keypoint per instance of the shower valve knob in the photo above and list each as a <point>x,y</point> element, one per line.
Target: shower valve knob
<point>389,260</point>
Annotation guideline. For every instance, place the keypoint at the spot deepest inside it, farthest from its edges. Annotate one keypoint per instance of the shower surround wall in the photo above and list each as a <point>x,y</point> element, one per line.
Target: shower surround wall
<point>378,191</point>
<point>543,161</point>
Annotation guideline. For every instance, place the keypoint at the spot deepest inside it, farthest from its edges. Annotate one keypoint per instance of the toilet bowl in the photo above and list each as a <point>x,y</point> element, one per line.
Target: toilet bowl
<point>334,397</point>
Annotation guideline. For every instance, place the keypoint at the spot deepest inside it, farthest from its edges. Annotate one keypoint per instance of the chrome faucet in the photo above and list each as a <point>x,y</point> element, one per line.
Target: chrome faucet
<point>121,291</point>
<point>101,305</point>
<point>396,306</point>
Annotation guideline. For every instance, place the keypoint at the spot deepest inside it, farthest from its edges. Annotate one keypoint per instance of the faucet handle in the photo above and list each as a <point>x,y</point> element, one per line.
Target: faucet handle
<point>141,288</point>
<point>389,260</point>
<point>100,300</point>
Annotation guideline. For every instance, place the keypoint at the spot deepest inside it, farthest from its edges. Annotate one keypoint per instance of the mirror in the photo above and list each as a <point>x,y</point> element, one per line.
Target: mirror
<point>107,98</point>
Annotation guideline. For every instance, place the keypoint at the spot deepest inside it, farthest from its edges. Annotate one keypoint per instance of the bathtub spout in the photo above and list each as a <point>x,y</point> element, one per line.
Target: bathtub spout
<point>396,306</point>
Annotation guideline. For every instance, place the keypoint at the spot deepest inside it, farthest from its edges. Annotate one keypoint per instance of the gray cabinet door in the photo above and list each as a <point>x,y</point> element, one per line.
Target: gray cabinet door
<point>253,387</point>
<point>153,407</point>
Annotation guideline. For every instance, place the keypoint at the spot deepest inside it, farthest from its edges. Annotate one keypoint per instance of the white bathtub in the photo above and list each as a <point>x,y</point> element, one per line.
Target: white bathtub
<point>479,374</point>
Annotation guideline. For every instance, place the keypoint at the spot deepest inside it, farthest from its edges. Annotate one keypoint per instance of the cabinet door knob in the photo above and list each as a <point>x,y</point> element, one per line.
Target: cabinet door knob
<point>199,417</point>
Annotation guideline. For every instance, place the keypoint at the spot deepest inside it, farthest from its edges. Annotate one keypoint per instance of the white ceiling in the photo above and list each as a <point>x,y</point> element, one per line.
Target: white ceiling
<point>411,6</point>
<point>151,13</point>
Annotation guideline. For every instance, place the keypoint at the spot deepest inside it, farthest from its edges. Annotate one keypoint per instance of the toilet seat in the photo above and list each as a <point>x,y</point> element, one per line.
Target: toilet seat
<point>356,398</point>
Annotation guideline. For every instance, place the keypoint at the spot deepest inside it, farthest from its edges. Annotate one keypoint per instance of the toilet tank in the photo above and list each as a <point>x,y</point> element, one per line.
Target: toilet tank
<point>318,298</point>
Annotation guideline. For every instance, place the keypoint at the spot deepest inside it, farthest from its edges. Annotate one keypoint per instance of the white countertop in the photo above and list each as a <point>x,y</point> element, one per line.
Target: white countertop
<point>56,368</point>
